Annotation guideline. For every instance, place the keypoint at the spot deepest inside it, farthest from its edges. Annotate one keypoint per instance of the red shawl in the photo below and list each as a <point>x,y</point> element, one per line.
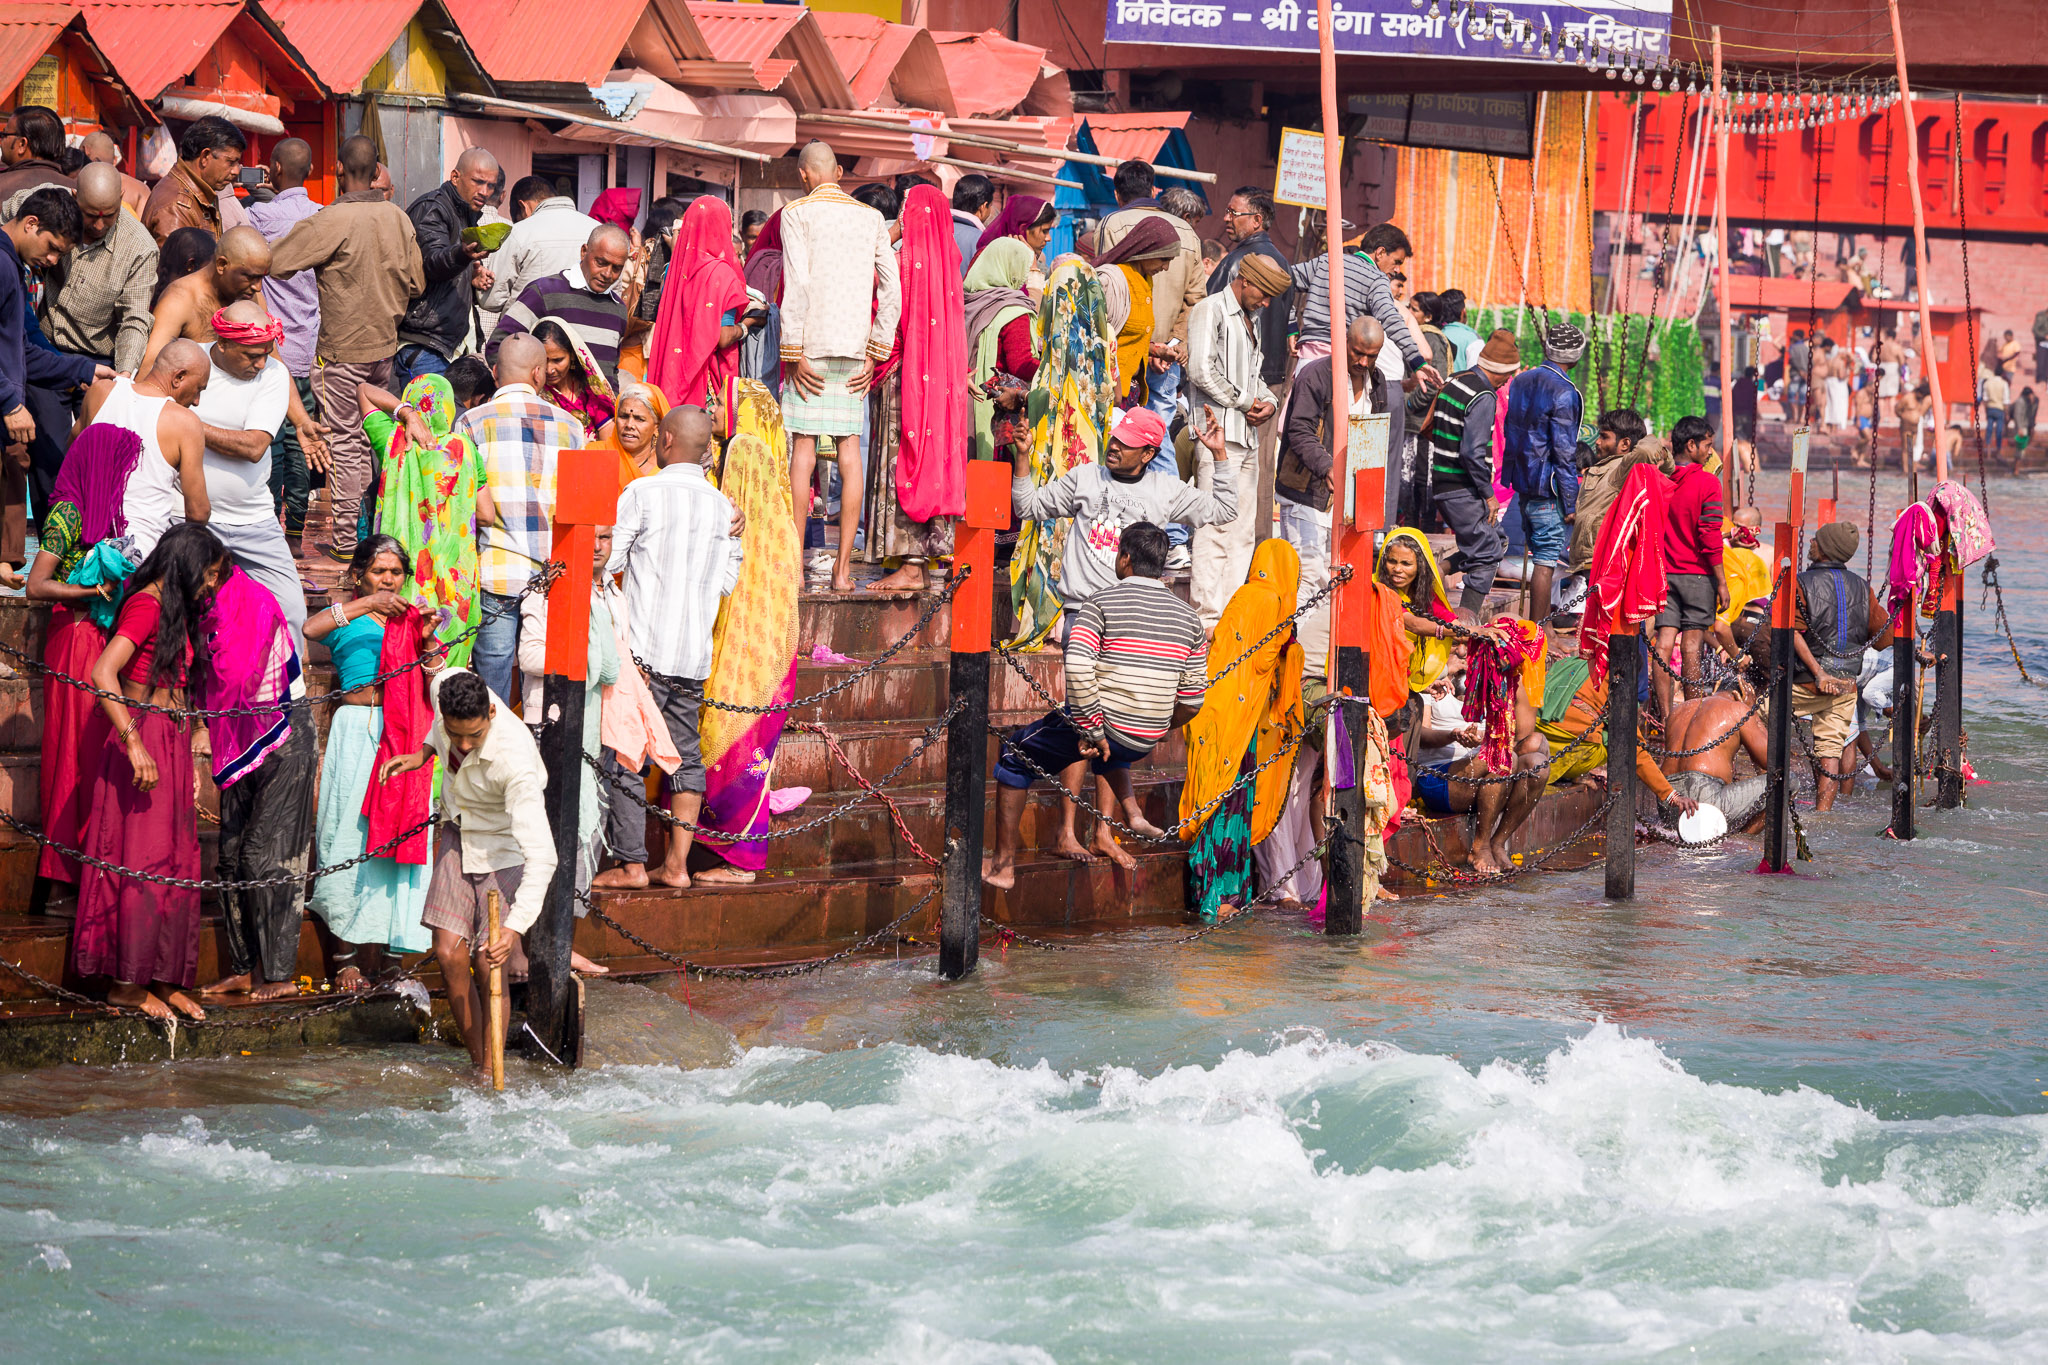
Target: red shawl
<point>396,806</point>
<point>703,284</point>
<point>931,464</point>
<point>1626,583</point>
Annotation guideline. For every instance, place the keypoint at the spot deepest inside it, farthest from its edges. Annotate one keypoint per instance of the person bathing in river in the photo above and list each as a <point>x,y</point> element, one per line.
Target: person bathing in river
<point>1504,680</point>
<point>1137,667</point>
<point>494,836</point>
<point>1839,617</point>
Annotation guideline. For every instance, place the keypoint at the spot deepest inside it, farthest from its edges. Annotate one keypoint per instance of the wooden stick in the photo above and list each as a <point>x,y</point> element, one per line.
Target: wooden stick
<point>1929,370</point>
<point>496,1025</point>
<point>998,144</point>
<point>1000,171</point>
<point>1722,307</point>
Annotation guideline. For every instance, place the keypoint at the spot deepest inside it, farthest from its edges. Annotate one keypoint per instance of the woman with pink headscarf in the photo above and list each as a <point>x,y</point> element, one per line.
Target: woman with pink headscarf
<point>918,411</point>
<point>698,331</point>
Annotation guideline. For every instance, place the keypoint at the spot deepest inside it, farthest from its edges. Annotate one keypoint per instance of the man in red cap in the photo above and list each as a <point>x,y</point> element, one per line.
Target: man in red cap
<point>1120,491</point>
<point>240,409</point>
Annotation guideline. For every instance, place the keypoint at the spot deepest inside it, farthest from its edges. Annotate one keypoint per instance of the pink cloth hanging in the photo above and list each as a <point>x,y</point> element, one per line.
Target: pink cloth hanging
<point>703,284</point>
<point>1916,557</point>
<point>931,463</point>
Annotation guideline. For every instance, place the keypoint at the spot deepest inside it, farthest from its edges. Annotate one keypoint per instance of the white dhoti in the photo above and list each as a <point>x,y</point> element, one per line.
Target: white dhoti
<point>1222,555</point>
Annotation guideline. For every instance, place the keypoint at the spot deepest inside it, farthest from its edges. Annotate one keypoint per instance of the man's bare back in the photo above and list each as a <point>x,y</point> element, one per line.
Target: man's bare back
<point>1717,721</point>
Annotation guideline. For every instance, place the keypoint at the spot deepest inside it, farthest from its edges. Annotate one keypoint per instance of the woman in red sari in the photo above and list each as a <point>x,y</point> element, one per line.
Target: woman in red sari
<point>144,934</point>
<point>697,334</point>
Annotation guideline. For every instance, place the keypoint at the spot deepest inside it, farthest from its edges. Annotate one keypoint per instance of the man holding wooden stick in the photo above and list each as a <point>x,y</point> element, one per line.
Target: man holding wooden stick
<point>494,839</point>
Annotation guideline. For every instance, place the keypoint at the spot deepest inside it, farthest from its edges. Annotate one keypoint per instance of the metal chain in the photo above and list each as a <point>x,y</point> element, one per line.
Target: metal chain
<point>931,609</point>
<point>186,883</point>
<point>340,1001</point>
<point>1532,862</point>
<point>685,965</point>
<point>625,786</point>
<point>538,583</point>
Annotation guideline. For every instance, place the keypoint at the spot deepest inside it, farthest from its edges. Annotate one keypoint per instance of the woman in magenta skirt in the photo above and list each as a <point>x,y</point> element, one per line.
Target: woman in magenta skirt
<point>142,815</point>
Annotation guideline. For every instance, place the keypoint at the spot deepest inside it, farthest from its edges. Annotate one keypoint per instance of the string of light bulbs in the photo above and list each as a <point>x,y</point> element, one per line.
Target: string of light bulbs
<point>1776,102</point>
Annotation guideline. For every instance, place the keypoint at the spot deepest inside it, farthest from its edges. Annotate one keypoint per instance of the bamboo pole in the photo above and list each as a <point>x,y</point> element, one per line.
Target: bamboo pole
<point>1928,367</point>
<point>496,1023</point>
<point>999,144</point>
<point>1721,284</point>
<point>542,111</point>
<point>1001,172</point>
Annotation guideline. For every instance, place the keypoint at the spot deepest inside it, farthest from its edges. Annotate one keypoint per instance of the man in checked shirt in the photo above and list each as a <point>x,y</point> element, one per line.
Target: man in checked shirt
<point>1137,666</point>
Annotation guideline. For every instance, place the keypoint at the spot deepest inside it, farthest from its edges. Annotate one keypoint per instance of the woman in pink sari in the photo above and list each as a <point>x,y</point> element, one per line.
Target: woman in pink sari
<point>753,650</point>
<point>918,414</point>
<point>697,334</point>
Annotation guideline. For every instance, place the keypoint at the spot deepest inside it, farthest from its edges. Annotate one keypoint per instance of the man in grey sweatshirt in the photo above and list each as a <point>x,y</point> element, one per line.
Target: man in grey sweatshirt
<point>1105,498</point>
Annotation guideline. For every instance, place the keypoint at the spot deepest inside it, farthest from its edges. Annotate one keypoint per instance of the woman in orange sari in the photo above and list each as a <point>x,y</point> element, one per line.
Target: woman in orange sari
<point>636,418</point>
<point>1251,714</point>
<point>753,650</point>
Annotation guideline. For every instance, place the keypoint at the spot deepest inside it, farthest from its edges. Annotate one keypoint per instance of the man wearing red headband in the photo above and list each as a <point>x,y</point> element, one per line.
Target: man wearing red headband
<point>242,406</point>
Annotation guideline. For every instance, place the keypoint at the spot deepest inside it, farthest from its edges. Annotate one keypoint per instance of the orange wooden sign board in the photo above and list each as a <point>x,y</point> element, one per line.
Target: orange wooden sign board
<point>974,549</point>
<point>586,497</point>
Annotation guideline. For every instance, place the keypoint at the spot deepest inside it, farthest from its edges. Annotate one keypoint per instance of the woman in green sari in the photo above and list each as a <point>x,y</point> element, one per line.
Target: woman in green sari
<point>434,497</point>
<point>1069,407</point>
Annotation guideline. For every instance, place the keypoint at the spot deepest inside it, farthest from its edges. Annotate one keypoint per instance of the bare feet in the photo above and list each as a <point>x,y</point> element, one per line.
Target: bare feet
<point>1137,821</point>
<point>624,877</point>
<point>1070,847</point>
<point>1106,844</point>
<point>662,876</point>
<point>350,979</point>
<point>1387,895</point>
<point>274,990</point>
<point>1481,859</point>
<point>724,876</point>
<point>842,580</point>
<point>136,998</point>
<point>183,1004</point>
<point>230,985</point>
<point>1001,878</point>
<point>909,578</point>
<point>583,966</point>
<point>1503,861</point>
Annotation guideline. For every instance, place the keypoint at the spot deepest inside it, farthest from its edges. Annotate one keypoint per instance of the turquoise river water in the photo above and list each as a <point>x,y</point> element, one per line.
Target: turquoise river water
<point>1758,1118</point>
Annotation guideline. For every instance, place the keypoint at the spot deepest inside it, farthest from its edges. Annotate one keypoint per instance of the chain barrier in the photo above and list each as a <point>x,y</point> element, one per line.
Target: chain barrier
<point>538,583</point>
<point>931,609</point>
<point>932,734</point>
<point>340,1000</point>
<point>1441,869</point>
<point>191,884</point>
<point>701,971</point>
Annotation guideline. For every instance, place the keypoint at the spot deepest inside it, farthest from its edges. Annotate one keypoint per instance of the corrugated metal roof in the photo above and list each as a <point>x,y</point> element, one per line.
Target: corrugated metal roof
<point>887,63</point>
<point>755,33</point>
<point>153,44</point>
<point>26,33</point>
<point>341,39</point>
<point>1134,137</point>
<point>570,42</point>
<point>990,74</point>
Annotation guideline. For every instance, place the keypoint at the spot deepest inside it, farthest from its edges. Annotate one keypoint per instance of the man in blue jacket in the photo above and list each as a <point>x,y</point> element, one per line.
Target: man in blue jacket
<point>1541,461</point>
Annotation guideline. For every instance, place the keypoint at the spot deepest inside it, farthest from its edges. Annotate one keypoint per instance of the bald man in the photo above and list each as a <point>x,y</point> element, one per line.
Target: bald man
<point>674,540</point>
<point>99,147</point>
<point>365,255</point>
<point>548,236</point>
<point>1301,475</point>
<point>96,303</point>
<point>439,320</point>
<point>240,263</point>
<point>169,482</point>
<point>517,434</point>
<point>840,303</point>
<point>295,304</point>
<point>586,297</point>
<point>247,392</point>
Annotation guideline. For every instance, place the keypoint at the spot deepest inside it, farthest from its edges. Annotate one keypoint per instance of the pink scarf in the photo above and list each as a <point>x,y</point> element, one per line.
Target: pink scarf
<point>396,806</point>
<point>254,666</point>
<point>1916,558</point>
<point>1625,585</point>
<point>931,465</point>
<point>1965,529</point>
<point>630,724</point>
<point>703,284</point>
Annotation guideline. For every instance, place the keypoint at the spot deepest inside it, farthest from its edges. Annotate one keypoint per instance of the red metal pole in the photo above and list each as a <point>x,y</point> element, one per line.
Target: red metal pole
<point>1721,283</point>
<point>1928,366</point>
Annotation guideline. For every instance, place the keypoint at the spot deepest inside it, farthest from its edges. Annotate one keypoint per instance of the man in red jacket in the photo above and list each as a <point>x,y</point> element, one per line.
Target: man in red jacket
<point>1696,585</point>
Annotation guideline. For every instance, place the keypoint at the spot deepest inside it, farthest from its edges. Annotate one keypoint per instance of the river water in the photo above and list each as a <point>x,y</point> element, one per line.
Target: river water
<point>1774,1118</point>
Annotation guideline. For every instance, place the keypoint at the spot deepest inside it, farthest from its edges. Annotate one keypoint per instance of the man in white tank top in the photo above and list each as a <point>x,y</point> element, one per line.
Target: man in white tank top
<point>169,482</point>
<point>243,405</point>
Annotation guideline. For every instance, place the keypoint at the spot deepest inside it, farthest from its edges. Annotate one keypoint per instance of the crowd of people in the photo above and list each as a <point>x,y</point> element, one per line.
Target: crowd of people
<point>174,376</point>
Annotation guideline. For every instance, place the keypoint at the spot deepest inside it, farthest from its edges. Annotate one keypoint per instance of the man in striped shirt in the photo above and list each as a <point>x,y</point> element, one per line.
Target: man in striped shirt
<point>677,540</point>
<point>1137,666</point>
<point>584,298</point>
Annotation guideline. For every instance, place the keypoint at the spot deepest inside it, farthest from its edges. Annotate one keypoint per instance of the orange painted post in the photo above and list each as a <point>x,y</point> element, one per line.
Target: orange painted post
<point>1721,305</point>
<point>974,559</point>
<point>586,497</point>
<point>1795,500</point>
<point>1778,726</point>
<point>1928,366</point>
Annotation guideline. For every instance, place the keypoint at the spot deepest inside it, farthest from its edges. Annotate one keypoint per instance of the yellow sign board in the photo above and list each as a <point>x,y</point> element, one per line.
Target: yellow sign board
<point>1298,175</point>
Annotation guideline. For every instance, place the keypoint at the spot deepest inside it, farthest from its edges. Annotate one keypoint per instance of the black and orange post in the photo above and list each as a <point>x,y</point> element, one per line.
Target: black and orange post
<point>1947,643</point>
<point>586,497</point>
<point>1778,722</point>
<point>1353,521</point>
<point>974,562</point>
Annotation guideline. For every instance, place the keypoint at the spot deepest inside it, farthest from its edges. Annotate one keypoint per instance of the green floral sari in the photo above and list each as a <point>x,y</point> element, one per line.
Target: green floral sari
<point>429,506</point>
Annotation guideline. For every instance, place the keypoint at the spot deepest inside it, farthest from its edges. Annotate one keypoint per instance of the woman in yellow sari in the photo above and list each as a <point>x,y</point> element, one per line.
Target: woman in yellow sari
<point>753,644</point>
<point>1250,714</point>
<point>1407,566</point>
<point>1069,405</point>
